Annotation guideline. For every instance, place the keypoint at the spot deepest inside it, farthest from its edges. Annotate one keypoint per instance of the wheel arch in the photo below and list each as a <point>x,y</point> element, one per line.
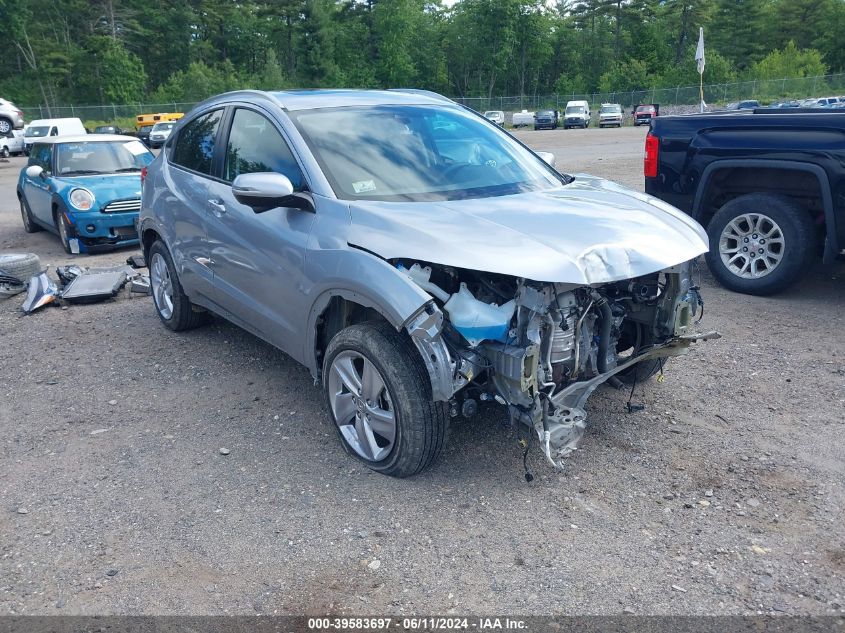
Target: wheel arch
<point>709,191</point>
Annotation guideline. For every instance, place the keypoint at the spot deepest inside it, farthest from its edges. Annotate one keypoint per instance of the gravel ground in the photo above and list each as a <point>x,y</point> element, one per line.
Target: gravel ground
<point>724,496</point>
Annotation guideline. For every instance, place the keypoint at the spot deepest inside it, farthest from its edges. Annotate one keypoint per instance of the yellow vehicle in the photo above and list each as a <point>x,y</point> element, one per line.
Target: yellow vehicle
<point>151,119</point>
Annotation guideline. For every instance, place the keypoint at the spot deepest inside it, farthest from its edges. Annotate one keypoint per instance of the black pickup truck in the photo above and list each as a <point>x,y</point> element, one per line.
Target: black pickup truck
<point>769,186</point>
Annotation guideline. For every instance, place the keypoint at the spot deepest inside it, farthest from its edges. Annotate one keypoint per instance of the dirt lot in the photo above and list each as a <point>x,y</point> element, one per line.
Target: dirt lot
<point>725,495</point>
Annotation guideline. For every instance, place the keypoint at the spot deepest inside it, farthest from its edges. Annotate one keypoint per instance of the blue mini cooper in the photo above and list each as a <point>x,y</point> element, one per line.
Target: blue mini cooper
<point>85,188</point>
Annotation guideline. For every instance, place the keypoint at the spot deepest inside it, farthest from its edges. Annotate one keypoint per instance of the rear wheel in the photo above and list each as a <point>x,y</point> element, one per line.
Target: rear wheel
<point>760,243</point>
<point>379,397</point>
<point>172,304</point>
<point>5,126</point>
<point>29,224</point>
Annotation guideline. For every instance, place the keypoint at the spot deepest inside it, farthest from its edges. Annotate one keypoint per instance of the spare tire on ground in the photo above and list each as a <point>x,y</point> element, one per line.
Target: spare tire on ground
<point>17,265</point>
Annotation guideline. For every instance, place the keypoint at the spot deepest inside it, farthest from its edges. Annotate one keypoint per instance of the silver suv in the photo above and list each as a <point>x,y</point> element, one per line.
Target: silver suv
<point>417,260</point>
<point>11,118</point>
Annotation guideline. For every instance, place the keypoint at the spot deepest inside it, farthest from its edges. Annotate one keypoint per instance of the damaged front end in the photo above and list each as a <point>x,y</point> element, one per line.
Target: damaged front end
<point>541,348</point>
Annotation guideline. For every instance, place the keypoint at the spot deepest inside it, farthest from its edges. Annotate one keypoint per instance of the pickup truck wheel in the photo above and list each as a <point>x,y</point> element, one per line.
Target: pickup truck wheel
<point>379,397</point>
<point>172,304</point>
<point>760,243</point>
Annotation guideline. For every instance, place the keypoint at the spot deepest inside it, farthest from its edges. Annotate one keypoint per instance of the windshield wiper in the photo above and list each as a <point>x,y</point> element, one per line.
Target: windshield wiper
<point>80,172</point>
<point>125,169</point>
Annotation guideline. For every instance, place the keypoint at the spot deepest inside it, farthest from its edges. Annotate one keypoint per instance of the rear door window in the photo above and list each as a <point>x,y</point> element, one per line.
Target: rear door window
<point>194,149</point>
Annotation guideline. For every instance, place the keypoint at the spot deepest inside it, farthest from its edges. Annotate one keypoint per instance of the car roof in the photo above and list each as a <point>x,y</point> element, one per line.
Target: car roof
<point>309,99</point>
<point>85,138</point>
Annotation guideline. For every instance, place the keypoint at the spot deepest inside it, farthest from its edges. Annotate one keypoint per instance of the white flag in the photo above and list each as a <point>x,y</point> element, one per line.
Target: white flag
<point>699,52</point>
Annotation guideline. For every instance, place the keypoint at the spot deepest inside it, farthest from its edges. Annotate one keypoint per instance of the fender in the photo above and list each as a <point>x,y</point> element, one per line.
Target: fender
<point>380,286</point>
<point>831,248</point>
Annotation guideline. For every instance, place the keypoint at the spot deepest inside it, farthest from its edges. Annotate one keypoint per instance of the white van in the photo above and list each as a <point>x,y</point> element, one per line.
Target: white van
<point>577,114</point>
<point>11,144</point>
<point>41,128</point>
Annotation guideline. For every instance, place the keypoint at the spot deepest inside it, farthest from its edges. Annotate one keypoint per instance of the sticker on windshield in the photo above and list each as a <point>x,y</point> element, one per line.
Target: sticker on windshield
<point>364,186</point>
<point>136,148</point>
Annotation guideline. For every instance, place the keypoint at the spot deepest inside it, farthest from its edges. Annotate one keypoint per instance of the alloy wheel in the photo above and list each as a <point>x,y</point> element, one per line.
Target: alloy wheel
<point>162,286</point>
<point>361,406</point>
<point>751,245</point>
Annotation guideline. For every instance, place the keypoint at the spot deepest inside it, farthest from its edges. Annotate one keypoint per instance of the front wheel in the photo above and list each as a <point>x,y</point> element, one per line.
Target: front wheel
<point>64,229</point>
<point>5,127</point>
<point>379,397</point>
<point>760,243</point>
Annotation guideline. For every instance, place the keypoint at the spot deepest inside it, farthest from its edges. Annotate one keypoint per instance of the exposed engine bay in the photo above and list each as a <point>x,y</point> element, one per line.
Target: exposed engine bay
<point>540,348</point>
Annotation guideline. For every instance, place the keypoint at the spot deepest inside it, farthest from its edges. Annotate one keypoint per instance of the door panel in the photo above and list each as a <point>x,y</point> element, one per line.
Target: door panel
<point>37,190</point>
<point>258,257</point>
<point>258,264</point>
<point>187,179</point>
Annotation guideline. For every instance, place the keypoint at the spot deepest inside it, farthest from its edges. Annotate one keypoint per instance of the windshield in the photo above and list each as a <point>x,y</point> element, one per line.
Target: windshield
<point>416,153</point>
<point>92,157</point>
<point>613,109</point>
<point>104,129</point>
<point>158,127</point>
<point>41,130</point>
<point>545,113</point>
<point>492,113</point>
<point>575,110</point>
<point>645,108</point>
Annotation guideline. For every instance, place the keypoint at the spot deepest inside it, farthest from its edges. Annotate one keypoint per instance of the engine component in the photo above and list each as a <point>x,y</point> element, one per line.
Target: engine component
<point>514,371</point>
<point>478,321</point>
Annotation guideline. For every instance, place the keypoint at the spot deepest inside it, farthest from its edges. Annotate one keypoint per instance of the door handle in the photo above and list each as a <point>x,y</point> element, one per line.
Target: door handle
<point>217,207</point>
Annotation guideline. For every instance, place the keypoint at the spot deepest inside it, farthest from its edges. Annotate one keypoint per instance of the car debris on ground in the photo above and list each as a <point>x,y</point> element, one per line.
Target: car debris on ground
<point>76,284</point>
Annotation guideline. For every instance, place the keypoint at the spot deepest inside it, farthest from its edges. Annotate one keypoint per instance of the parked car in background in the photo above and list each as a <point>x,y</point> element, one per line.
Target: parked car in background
<point>43,128</point>
<point>143,134</point>
<point>151,119</point>
<point>766,184</point>
<point>522,119</point>
<point>610,114</point>
<point>577,114</point>
<point>827,102</point>
<point>160,133</point>
<point>416,260</point>
<point>11,143</point>
<point>11,117</point>
<point>645,112</point>
<point>496,116</point>
<point>791,103</point>
<point>85,188</point>
<point>545,119</point>
<point>107,129</point>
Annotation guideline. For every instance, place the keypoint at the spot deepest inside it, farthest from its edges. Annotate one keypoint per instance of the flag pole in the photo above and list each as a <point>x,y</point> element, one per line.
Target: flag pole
<point>699,60</point>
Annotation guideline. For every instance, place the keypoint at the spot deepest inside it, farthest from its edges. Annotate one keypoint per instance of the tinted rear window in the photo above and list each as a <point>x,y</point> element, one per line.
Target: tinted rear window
<point>194,148</point>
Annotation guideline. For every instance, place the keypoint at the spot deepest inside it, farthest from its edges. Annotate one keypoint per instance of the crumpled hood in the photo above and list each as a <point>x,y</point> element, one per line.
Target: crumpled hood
<point>106,187</point>
<point>587,232</point>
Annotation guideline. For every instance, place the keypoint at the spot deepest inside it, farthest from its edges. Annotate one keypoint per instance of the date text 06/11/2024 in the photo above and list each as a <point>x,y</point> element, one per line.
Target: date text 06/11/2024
<point>415,624</point>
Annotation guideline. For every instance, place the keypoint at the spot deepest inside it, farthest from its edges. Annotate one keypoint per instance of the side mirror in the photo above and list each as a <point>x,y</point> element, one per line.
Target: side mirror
<point>547,157</point>
<point>268,190</point>
<point>35,171</point>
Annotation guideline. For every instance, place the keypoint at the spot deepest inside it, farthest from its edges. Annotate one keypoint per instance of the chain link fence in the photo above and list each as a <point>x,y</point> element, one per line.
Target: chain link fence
<point>715,95</point>
<point>684,97</point>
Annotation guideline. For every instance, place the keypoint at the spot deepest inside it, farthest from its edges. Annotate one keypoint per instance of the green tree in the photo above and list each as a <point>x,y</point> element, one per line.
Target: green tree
<point>789,62</point>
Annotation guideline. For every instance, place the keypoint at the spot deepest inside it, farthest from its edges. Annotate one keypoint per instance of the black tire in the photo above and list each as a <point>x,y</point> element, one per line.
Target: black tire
<point>421,423</point>
<point>20,265</point>
<point>797,248</point>
<point>183,315</point>
<point>29,224</point>
<point>536,128</point>
<point>65,230</point>
<point>4,153</point>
